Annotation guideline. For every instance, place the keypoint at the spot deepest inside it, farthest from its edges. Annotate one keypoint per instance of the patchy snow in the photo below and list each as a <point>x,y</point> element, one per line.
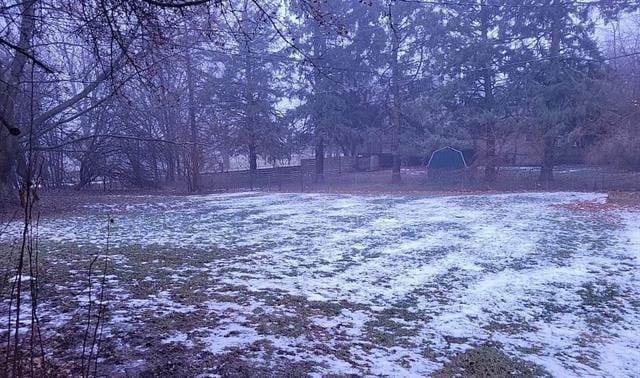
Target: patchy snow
<point>23,278</point>
<point>396,284</point>
<point>348,322</point>
<point>229,336</point>
<point>176,337</point>
<point>161,304</point>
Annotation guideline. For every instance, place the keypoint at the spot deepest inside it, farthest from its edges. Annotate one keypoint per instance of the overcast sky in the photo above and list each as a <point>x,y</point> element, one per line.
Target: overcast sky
<point>628,28</point>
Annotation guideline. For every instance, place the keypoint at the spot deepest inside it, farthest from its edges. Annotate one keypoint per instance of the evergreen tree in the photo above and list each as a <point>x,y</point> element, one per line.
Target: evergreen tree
<point>565,78</point>
<point>248,87</point>
<point>481,73</point>
<point>337,87</point>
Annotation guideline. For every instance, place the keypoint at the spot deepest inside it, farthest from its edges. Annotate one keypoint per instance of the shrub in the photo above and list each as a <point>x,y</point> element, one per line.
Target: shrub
<point>621,149</point>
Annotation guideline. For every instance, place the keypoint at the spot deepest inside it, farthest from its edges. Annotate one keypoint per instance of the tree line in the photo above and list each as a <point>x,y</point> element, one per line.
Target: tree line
<point>150,92</point>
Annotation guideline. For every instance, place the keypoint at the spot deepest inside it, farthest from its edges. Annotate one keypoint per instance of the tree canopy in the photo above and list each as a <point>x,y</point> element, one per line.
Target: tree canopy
<point>146,92</point>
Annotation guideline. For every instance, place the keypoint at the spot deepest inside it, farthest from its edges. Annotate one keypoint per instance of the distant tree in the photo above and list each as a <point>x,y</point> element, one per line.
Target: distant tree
<point>361,57</point>
<point>248,86</point>
<point>412,31</point>
<point>481,75</point>
<point>614,137</point>
<point>567,75</point>
<point>339,44</point>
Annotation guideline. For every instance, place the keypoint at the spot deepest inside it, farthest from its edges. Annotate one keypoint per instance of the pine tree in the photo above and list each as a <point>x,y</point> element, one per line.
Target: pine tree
<point>565,76</point>
<point>481,76</point>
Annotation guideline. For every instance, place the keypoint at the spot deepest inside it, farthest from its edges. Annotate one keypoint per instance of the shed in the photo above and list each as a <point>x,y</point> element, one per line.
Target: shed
<point>447,158</point>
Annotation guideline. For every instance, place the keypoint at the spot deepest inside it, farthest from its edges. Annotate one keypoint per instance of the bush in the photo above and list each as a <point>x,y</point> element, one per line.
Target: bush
<point>621,150</point>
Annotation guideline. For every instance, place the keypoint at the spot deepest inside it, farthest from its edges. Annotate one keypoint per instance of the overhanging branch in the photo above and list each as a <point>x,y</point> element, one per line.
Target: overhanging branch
<point>22,51</point>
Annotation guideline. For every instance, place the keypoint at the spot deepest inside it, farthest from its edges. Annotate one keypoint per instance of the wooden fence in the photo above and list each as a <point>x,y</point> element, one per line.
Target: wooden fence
<point>340,173</point>
<point>294,178</point>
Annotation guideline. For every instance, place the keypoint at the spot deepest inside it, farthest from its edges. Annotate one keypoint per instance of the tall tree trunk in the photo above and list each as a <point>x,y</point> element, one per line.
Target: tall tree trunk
<point>548,159</point>
<point>55,160</point>
<point>9,89</point>
<point>226,160</point>
<point>168,123</point>
<point>319,47</point>
<point>253,158</point>
<point>253,165</point>
<point>193,127</point>
<point>171,165</point>
<point>249,105</point>
<point>490,169</point>
<point>396,105</point>
<point>319,163</point>
<point>7,164</point>
<point>154,165</point>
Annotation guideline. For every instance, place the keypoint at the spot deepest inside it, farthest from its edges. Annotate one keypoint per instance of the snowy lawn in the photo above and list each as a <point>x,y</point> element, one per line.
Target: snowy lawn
<point>336,284</point>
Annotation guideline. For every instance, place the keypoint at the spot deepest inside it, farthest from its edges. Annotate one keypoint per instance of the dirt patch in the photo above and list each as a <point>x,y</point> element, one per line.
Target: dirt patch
<point>589,206</point>
<point>627,199</point>
<point>62,202</point>
<point>615,201</point>
<point>488,361</point>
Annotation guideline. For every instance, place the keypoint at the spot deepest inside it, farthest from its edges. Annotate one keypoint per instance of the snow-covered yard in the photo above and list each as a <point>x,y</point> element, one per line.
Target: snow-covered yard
<point>323,284</point>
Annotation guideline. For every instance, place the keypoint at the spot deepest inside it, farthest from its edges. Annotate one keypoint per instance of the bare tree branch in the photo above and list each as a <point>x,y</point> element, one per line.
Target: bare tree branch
<point>22,51</point>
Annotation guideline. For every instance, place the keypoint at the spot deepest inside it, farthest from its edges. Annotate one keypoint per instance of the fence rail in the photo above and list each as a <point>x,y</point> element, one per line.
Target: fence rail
<point>303,178</point>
